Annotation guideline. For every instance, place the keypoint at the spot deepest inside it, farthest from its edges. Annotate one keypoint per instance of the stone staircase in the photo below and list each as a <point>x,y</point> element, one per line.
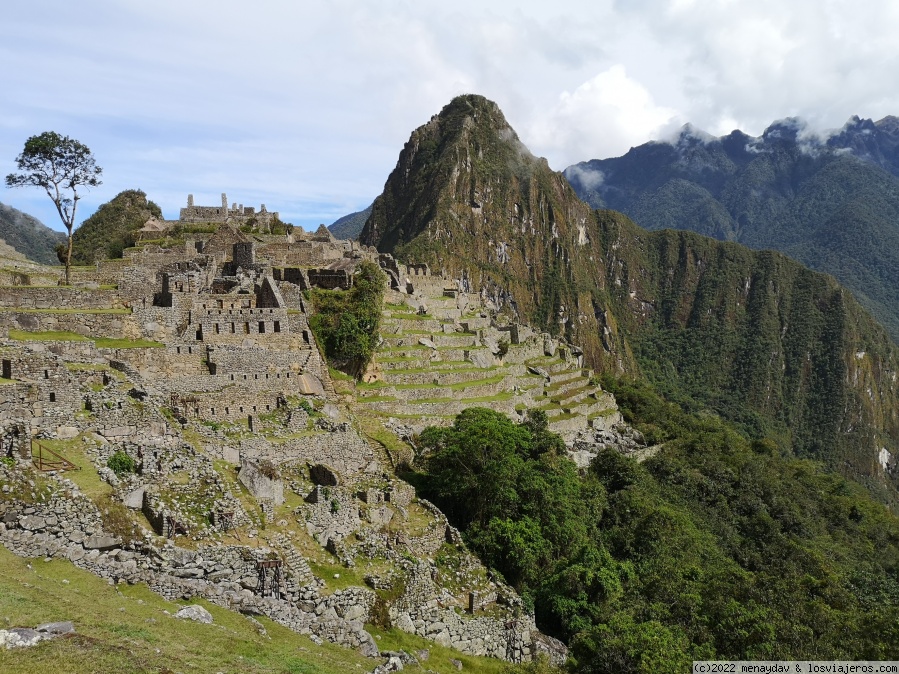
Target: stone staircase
<point>295,564</point>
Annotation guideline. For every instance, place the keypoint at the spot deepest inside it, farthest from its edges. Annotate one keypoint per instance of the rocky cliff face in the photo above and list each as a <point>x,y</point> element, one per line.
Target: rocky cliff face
<point>753,336</point>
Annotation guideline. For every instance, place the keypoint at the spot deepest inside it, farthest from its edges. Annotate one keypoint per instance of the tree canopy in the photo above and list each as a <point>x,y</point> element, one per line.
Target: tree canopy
<point>60,166</point>
<point>716,548</point>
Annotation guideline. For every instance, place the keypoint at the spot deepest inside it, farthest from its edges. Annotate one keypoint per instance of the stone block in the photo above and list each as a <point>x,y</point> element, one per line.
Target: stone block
<point>261,486</point>
<point>100,542</point>
<point>135,499</point>
<point>196,613</point>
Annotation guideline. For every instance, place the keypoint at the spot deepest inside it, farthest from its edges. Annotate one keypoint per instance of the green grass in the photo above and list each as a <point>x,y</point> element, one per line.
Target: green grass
<point>113,343</point>
<point>376,399</point>
<point>3,380</point>
<point>46,336</point>
<point>67,336</point>
<point>477,382</point>
<point>127,630</point>
<point>439,658</point>
<point>111,310</point>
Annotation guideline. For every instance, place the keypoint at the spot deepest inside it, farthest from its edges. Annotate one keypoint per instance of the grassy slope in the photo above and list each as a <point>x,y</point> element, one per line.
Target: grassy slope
<point>126,629</point>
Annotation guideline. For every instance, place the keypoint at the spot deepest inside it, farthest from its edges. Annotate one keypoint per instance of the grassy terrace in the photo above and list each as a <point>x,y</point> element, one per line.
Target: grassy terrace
<point>67,336</point>
<point>111,310</point>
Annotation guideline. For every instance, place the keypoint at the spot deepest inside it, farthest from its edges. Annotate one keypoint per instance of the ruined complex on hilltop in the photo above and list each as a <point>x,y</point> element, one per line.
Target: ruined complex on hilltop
<point>197,362</point>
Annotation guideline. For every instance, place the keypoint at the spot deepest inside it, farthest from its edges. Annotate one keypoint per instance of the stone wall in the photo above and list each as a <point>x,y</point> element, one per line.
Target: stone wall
<point>60,297</point>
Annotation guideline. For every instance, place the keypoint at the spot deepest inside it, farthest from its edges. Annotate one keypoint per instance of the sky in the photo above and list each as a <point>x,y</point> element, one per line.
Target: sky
<point>304,105</point>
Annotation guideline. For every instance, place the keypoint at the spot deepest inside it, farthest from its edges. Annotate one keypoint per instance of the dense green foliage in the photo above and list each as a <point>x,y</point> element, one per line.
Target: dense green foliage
<point>346,322</point>
<point>111,228</point>
<point>29,236</point>
<point>833,206</point>
<point>120,463</point>
<point>717,547</point>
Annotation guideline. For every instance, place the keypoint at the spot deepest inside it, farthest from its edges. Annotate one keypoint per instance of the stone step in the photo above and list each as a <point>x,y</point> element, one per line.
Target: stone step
<point>426,392</point>
<point>565,376</point>
<point>439,410</point>
<point>440,376</point>
<point>574,396</point>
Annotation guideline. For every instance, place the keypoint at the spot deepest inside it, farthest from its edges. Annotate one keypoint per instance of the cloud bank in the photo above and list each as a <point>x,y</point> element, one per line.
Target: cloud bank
<point>305,106</point>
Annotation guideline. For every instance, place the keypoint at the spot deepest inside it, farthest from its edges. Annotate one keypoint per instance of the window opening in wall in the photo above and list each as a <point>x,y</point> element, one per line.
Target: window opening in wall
<point>246,328</point>
<point>261,327</point>
<point>232,377</point>
<point>268,407</point>
<point>7,368</point>
<point>233,329</point>
<point>46,374</point>
<point>190,350</point>
<point>212,410</point>
<point>178,350</point>
<point>245,376</point>
<point>288,375</point>
<point>254,408</point>
<point>241,409</point>
<point>276,326</point>
<point>226,411</point>
<point>52,397</point>
<point>200,335</point>
<point>255,376</point>
<point>217,329</point>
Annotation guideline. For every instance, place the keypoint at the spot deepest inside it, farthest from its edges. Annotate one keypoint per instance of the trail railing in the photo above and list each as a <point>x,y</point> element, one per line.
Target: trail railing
<point>45,458</point>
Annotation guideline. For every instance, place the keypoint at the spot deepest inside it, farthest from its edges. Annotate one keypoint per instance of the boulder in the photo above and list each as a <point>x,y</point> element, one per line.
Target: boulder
<point>135,499</point>
<point>66,432</point>
<point>260,485</point>
<point>101,542</point>
<point>196,613</point>
<point>57,628</point>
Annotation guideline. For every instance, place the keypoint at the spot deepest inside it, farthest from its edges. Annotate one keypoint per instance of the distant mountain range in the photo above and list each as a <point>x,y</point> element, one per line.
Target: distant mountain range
<point>831,202</point>
<point>349,226</point>
<point>29,236</point>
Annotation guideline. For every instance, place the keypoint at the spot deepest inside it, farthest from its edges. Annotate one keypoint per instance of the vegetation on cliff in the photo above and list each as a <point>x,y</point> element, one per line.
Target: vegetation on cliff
<point>716,548</point>
<point>110,230</point>
<point>751,336</point>
<point>833,205</point>
<point>346,322</point>
<point>29,236</point>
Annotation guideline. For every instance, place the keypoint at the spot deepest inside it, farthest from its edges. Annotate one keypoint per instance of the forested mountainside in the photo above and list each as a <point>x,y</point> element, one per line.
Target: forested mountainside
<point>785,352</point>
<point>29,236</point>
<point>349,226</point>
<point>832,204</point>
<point>111,229</point>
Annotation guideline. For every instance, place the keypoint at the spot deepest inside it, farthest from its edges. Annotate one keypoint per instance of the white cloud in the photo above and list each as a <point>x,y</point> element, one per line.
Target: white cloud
<point>605,116</point>
<point>305,106</point>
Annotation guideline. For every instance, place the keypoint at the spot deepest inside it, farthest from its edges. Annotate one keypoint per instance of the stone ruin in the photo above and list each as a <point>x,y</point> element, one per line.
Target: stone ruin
<point>197,363</point>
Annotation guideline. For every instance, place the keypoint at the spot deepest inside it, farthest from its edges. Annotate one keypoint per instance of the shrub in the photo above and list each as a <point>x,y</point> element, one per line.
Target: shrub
<point>121,463</point>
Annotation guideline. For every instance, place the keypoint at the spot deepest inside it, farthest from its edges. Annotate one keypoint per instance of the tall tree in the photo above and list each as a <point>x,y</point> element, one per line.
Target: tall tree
<point>60,165</point>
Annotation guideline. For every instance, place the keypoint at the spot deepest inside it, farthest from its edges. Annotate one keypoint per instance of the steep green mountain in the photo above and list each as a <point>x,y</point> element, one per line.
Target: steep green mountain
<point>831,204</point>
<point>29,236</point>
<point>349,226</point>
<point>111,229</point>
<point>753,336</point>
